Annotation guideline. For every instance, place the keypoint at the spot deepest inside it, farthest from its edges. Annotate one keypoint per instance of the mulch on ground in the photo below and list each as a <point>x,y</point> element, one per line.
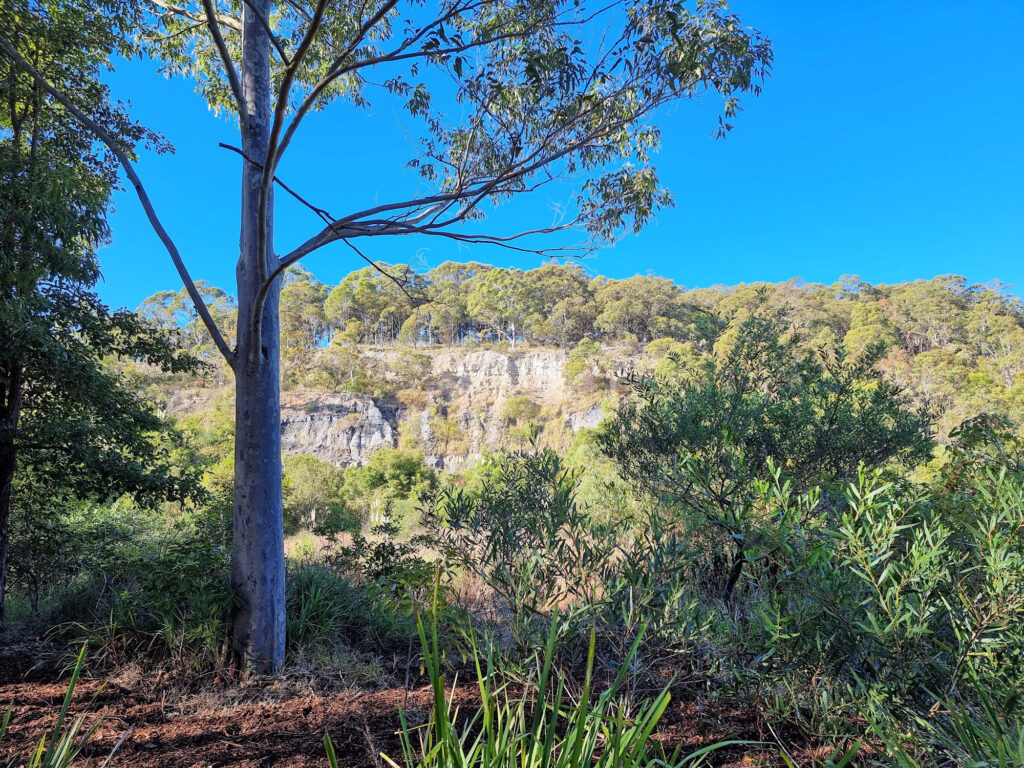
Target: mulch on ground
<point>280,732</point>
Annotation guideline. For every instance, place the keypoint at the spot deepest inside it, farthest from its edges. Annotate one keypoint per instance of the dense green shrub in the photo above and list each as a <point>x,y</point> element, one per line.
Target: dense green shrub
<point>700,446</point>
<point>402,473</point>
<point>314,495</point>
<point>391,485</point>
<point>140,584</point>
<point>525,536</point>
<point>328,610</point>
<point>362,595</point>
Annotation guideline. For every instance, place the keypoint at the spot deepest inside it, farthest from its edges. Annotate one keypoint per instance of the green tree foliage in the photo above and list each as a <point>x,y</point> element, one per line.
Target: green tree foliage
<point>69,426</point>
<point>303,319</point>
<point>389,485</point>
<point>701,445</point>
<point>314,494</point>
<point>174,311</point>
<point>564,307</point>
<point>642,308</point>
<point>448,288</point>
<point>378,303</point>
<point>678,359</point>
<point>523,533</point>
<point>503,301</point>
<point>401,473</point>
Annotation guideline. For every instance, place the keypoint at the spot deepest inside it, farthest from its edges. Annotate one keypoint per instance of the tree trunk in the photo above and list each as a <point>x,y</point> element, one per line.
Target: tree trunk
<point>734,575</point>
<point>8,463</point>
<point>257,561</point>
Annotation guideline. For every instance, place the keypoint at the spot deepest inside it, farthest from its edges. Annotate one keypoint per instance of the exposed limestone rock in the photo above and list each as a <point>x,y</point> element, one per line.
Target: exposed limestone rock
<point>342,429</point>
<point>465,395</point>
<point>588,419</point>
<point>484,372</point>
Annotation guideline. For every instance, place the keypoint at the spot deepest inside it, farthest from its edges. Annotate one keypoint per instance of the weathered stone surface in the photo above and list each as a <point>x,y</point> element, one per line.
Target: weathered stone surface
<point>493,375</point>
<point>470,387</point>
<point>342,429</point>
<point>587,419</point>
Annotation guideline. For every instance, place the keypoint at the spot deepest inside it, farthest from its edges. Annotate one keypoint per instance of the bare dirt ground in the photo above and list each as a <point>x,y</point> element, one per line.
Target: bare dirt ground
<point>271,723</point>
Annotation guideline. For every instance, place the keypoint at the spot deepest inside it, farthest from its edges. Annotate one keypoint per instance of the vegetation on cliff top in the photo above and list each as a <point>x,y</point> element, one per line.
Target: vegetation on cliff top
<point>955,348</point>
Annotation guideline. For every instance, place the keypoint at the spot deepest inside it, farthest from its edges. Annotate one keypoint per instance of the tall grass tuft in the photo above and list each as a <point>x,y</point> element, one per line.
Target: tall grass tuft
<point>982,736</point>
<point>536,724</point>
<point>61,748</point>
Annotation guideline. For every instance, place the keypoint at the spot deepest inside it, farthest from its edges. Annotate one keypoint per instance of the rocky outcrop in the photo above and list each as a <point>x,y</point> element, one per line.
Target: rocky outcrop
<point>586,419</point>
<point>345,430</point>
<point>491,375</point>
<point>463,412</point>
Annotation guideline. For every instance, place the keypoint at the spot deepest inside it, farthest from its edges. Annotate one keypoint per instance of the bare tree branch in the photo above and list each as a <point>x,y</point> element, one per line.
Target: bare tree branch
<point>311,97</point>
<point>401,285</point>
<point>292,67</point>
<point>103,135</point>
<point>323,214</point>
<point>293,258</point>
<point>226,21</point>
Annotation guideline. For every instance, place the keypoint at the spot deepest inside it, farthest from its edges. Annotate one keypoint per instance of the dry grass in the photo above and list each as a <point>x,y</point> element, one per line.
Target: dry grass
<point>309,547</point>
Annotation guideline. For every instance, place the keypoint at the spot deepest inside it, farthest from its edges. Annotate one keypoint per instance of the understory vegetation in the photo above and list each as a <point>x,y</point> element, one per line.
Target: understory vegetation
<point>774,528</point>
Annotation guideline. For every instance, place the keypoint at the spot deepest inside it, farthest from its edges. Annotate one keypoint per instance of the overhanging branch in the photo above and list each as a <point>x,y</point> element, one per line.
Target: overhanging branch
<point>229,65</point>
<point>104,136</point>
<point>226,21</point>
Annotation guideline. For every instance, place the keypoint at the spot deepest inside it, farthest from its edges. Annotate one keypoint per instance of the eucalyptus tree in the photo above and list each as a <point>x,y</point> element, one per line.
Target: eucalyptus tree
<point>644,307</point>
<point>502,299</point>
<point>448,288</point>
<point>511,96</point>
<point>175,311</point>
<point>380,298</point>
<point>303,322</point>
<point>564,304</point>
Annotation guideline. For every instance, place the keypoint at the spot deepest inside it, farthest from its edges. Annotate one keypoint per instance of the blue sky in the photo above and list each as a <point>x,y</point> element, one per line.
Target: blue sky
<point>889,143</point>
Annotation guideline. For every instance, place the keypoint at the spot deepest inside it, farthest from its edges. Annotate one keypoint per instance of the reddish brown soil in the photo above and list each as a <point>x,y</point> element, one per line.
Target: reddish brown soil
<point>209,731</point>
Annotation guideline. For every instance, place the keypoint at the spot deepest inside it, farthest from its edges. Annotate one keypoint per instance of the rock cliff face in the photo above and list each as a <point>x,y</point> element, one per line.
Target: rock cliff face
<point>485,373</point>
<point>341,429</point>
<point>465,394</point>
<point>462,413</point>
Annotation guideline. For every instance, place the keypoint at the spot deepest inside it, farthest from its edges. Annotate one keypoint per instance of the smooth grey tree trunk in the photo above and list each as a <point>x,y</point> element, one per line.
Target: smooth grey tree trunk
<point>257,561</point>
